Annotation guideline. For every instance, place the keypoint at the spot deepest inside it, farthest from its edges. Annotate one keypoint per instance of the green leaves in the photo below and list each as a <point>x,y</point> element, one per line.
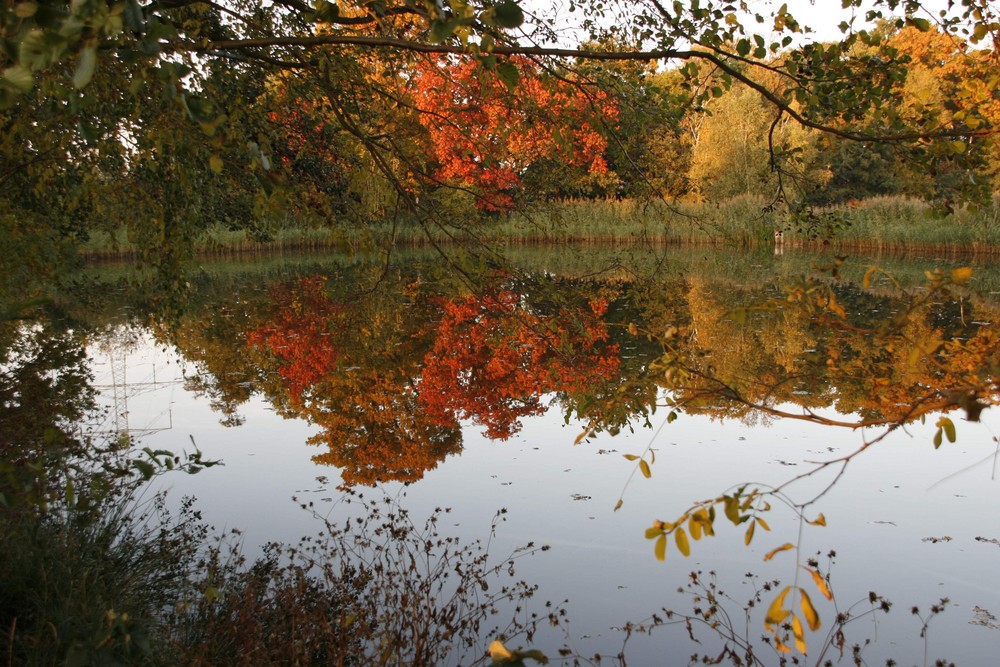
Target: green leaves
<point>508,15</point>
<point>508,73</point>
<point>19,77</point>
<point>85,65</point>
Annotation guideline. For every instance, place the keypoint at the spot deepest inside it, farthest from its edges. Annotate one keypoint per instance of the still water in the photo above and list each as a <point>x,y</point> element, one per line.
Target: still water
<point>301,377</point>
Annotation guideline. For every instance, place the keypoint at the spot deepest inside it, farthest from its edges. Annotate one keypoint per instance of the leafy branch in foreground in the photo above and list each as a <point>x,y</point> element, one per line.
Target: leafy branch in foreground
<point>957,368</point>
<point>728,622</point>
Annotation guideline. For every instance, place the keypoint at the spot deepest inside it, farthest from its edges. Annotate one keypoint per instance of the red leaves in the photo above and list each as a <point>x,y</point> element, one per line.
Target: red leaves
<point>484,134</point>
<point>393,415</point>
<point>302,316</point>
<point>493,359</point>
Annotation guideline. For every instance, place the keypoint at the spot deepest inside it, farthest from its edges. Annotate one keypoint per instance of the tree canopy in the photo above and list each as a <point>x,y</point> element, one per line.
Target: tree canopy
<point>194,113</point>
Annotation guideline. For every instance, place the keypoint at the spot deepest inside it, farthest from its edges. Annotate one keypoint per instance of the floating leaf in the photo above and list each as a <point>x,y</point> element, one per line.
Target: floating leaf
<point>763,524</point>
<point>818,521</point>
<point>660,550</point>
<point>812,618</point>
<point>784,547</point>
<point>749,535</point>
<point>653,531</point>
<point>619,504</point>
<point>644,467</point>
<point>630,457</point>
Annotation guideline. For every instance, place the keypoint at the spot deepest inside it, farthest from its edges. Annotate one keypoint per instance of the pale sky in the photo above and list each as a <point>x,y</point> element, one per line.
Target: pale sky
<point>822,16</point>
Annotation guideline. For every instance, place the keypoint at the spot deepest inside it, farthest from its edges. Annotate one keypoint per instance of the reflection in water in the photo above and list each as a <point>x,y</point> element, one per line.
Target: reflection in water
<point>388,377</point>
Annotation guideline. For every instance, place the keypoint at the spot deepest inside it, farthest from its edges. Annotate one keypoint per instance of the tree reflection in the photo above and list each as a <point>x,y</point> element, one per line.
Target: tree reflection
<point>45,392</point>
<point>351,369</point>
<point>391,375</point>
<point>876,358</point>
<point>389,389</point>
<point>493,359</point>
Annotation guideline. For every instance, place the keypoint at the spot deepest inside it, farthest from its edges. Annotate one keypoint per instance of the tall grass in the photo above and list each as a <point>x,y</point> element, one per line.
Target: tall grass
<point>900,223</point>
<point>882,224</point>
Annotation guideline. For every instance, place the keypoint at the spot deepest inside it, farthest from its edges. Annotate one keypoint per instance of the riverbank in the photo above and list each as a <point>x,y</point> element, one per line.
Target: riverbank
<point>880,225</point>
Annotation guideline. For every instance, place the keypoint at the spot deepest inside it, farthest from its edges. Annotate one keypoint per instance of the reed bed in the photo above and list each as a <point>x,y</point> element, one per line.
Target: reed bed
<point>878,225</point>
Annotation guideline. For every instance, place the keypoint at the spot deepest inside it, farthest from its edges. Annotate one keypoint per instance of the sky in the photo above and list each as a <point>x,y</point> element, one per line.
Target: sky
<point>822,16</point>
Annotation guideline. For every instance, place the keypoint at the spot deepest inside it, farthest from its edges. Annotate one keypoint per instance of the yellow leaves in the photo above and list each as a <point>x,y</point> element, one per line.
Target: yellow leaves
<point>749,534</point>
<point>812,618</point>
<point>820,583</point>
<point>499,651</point>
<point>778,614</point>
<point>799,634</point>
<point>701,523</point>
<point>962,274</point>
<point>784,547</point>
<point>818,521</point>
<point>945,427</point>
<point>643,465</point>
<point>660,549</point>
<point>682,542</point>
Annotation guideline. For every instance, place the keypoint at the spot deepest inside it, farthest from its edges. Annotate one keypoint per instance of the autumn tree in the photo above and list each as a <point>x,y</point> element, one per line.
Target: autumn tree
<point>486,128</point>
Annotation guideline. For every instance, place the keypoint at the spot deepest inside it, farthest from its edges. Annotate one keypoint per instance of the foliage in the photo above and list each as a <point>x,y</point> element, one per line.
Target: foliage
<point>197,114</point>
<point>378,588</point>
<point>485,130</point>
<point>493,359</point>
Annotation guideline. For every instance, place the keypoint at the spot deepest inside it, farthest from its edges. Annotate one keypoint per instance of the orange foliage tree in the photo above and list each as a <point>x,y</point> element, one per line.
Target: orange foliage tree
<point>373,428</point>
<point>299,333</point>
<point>493,358</point>
<point>486,127</point>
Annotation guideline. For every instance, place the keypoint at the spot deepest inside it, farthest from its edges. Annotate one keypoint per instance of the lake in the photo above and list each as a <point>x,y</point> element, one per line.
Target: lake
<point>304,375</point>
